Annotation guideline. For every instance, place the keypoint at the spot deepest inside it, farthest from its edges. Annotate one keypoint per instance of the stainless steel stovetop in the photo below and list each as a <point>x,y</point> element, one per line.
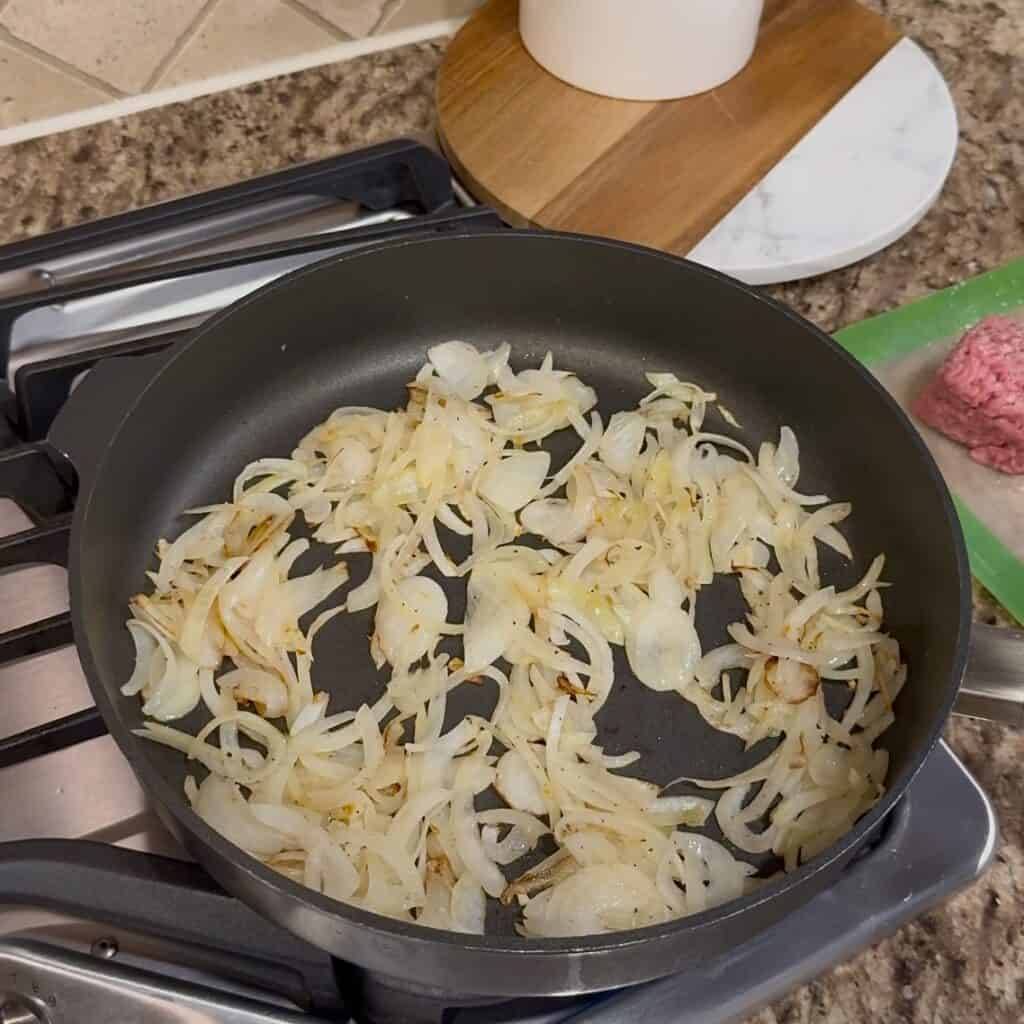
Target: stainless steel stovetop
<point>109,930</point>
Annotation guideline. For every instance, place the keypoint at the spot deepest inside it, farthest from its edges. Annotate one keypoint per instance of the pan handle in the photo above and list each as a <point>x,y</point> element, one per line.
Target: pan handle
<point>993,685</point>
<point>96,407</point>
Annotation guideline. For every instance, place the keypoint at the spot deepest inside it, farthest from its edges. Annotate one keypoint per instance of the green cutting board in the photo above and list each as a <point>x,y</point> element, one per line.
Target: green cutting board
<point>935,321</point>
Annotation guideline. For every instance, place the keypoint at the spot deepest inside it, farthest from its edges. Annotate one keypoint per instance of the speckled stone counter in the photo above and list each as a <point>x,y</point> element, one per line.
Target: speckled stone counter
<point>959,965</point>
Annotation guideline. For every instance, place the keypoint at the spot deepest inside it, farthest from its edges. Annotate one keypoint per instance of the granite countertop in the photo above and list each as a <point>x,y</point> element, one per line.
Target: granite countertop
<point>961,964</point>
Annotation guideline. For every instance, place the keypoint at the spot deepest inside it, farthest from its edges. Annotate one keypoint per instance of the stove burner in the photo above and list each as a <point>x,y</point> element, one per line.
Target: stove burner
<point>91,930</point>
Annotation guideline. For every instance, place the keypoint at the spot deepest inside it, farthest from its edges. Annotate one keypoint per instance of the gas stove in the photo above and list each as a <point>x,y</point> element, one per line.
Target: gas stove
<point>102,915</point>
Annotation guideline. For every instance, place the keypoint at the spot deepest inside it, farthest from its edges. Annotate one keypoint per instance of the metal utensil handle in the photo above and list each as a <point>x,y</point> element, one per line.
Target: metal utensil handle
<point>993,685</point>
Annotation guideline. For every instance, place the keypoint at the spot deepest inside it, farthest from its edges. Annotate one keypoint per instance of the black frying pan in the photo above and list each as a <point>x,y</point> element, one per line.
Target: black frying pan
<point>354,330</point>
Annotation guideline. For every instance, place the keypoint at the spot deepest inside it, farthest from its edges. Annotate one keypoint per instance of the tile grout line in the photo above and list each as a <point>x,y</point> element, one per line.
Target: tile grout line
<point>191,31</point>
<point>339,34</point>
<point>391,8</point>
<point>56,64</point>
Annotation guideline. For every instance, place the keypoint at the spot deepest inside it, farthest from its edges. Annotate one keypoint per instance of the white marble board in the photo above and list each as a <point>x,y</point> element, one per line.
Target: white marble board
<point>860,179</point>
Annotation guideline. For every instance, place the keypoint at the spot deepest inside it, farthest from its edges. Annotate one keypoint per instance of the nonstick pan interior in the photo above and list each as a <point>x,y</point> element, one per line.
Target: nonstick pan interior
<point>353,332</point>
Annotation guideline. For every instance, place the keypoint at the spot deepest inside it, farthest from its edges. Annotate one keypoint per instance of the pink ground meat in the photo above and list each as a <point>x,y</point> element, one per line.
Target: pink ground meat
<point>977,397</point>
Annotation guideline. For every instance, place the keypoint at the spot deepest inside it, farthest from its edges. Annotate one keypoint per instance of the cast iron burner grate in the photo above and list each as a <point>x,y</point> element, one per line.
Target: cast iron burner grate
<point>34,478</point>
<point>92,931</point>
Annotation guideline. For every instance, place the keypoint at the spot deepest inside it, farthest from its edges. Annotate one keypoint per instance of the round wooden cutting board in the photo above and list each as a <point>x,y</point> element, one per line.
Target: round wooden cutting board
<point>545,154</point>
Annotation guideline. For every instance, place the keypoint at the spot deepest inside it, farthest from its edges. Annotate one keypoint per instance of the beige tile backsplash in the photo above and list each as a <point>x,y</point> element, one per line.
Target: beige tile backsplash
<point>239,33</point>
<point>121,50</point>
<point>31,90</point>
<point>62,56</point>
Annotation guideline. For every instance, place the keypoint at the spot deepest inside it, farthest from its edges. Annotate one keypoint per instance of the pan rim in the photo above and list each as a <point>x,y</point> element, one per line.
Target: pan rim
<point>189,822</point>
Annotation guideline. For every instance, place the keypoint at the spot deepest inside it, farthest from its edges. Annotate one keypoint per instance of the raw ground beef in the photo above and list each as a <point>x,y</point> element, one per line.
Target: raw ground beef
<point>977,397</point>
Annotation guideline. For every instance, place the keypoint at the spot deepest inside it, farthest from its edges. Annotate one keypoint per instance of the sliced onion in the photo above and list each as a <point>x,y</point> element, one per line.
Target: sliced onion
<point>194,626</point>
<point>376,805</point>
<point>173,688</point>
<point>264,689</point>
<point>409,620</point>
<point>221,805</point>
<point>515,480</point>
<point>596,899</point>
<point>517,784</point>
<point>468,906</point>
<point>661,643</point>
<point>622,441</point>
<point>471,850</point>
<point>557,519</point>
<point>494,613</point>
<point>463,370</point>
<point>145,639</point>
